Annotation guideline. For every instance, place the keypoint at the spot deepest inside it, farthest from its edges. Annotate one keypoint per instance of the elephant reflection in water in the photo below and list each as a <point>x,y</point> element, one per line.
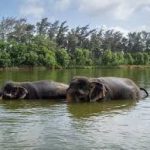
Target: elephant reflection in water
<point>103,88</point>
<point>86,110</point>
<point>34,90</point>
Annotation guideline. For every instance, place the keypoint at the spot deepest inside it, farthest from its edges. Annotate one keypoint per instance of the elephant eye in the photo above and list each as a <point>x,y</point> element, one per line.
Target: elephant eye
<point>14,90</point>
<point>73,85</point>
<point>83,88</point>
<point>91,86</point>
<point>8,91</point>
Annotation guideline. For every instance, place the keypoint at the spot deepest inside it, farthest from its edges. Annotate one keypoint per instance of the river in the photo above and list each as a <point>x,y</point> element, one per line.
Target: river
<point>57,125</point>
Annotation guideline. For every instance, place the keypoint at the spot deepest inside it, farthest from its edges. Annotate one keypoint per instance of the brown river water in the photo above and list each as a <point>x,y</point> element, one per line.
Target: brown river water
<point>57,125</point>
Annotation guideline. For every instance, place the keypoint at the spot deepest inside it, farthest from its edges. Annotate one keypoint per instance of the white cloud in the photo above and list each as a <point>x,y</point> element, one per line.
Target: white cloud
<point>116,9</point>
<point>32,8</point>
<point>115,28</point>
<point>121,29</point>
<point>123,11</point>
<point>102,11</point>
<point>142,28</point>
<point>61,5</point>
<point>125,31</point>
<point>119,9</point>
<point>95,7</point>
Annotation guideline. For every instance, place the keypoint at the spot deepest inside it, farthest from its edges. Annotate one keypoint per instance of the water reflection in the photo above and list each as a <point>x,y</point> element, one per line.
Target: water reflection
<point>27,104</point>
<point>85,110</point>
<point>65,75</point>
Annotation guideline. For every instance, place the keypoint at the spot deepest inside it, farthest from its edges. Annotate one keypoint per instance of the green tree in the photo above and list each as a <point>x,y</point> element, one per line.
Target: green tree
<point>50,60</point>
<point>6,27</point>
<point>42,27</point>
<point>112,40</point>
<point>4,59</point>
<point>22,31</point>
<point>120,58</point>
<point>41,42</point>
<point>146,58</point>
<point>53,30</point>
<point>138,58</point>
<point>135,42</point>
<point>62,58</point>
<point>96,46</point>
<point>82,57</point>
<point>107,57</point>
<point>61,39</point>
<point>46,57</point>
<point>31,58</point>
<point>17,52</point>
<point>128,59</point>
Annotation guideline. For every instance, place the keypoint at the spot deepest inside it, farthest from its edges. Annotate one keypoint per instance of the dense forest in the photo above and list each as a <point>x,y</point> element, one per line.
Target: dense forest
<point>55,45</point>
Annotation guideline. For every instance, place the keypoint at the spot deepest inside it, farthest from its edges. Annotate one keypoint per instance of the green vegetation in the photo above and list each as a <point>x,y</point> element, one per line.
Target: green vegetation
<point>55,45</point>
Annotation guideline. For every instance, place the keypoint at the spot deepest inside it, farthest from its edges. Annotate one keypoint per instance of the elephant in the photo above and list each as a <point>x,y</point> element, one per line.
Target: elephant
<point>43,89</point>
<point>103,88</point>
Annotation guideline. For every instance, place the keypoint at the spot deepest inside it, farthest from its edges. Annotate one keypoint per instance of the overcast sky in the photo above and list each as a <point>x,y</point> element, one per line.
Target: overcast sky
<point>124,15</point>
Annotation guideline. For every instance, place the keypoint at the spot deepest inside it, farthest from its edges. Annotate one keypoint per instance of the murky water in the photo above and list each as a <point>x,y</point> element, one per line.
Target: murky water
<point>51,125</point>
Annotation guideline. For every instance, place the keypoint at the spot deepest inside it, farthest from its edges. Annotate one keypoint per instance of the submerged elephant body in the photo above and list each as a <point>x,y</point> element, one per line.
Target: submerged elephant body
<point>34,90</point>
<point>103,88</point>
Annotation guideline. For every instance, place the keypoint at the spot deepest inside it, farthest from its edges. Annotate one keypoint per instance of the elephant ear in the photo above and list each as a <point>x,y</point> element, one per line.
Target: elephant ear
<point>97,91</point>
<point>21,92</point>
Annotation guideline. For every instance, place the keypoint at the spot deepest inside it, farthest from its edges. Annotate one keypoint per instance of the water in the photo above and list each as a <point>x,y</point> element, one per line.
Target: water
<point>51,125</point>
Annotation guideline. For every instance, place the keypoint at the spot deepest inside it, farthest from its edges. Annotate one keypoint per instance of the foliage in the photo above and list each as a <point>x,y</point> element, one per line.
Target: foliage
<point>4,59</point>
<point>62,58</point>
<point>82,57</point>
<point>128,59</point>
<point>53,44</point>
<point>107,57</point>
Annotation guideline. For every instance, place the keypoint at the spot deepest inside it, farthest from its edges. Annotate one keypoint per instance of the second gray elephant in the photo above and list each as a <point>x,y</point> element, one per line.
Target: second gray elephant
<point>34,90</point>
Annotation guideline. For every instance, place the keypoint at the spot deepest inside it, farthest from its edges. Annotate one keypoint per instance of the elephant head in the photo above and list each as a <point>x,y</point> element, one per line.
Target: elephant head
<point>86,89</point>
<point>12,90</point>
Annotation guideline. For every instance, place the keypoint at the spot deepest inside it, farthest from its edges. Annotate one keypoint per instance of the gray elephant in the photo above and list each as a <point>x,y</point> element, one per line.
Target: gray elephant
<point>103,88</point>
<point>34,90</point>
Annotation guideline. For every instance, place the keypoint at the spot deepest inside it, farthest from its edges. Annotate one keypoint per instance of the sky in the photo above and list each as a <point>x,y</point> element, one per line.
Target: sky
<point>122,15</point>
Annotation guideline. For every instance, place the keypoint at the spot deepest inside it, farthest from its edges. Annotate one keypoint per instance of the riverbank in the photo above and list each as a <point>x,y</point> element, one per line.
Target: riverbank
<point>73,67</point>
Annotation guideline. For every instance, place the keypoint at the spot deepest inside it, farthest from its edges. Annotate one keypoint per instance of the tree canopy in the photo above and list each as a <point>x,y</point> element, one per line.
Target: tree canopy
<point>55,44</point>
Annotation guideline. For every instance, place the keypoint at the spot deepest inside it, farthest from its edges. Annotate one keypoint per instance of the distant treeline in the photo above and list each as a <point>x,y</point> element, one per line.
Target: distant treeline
<point>54,44</point>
